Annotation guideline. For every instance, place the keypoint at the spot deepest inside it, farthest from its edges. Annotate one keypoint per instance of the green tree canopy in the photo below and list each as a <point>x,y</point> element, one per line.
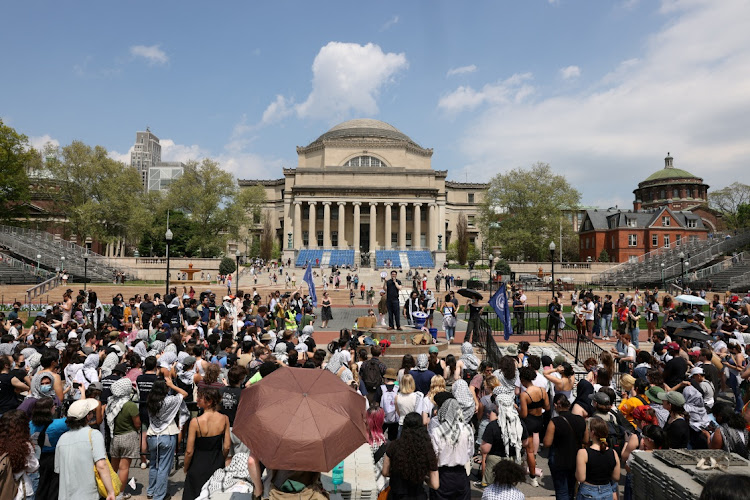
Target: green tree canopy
<point>227,265</point>
<point>528,205</point>
<point>729,201</point>
<point>15,157</point>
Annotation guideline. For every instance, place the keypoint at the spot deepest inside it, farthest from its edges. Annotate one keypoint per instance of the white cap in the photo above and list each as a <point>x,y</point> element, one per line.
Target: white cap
<point>696,371</point>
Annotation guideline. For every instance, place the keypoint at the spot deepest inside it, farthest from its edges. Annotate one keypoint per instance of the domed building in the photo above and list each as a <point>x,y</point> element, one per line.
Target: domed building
<point>366,193</point>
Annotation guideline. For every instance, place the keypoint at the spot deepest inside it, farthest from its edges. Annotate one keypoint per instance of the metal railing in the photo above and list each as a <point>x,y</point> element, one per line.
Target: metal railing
<point>738,281</point>
<point>31,271</point>
<point>42,288</point>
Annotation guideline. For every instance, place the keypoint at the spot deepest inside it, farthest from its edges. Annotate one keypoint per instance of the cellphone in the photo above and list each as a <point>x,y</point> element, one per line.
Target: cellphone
<point>76,385</point>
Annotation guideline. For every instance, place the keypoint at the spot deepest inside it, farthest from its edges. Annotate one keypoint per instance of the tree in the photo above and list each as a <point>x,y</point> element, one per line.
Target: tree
<point>528,205</point>
<point>462,239</point>
<point>152,241</point>
<point>208,195</point>
<point>267,239</point>
<point>15,157</point>
<point>728,201</point>
<point>502,267</point>
<point>101,197</point>
<point>604,256</point>
<point>227,266</point>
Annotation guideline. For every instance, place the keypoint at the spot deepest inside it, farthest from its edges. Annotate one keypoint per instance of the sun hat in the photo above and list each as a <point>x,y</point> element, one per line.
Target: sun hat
<point>81,408</point>
<point>391,374</point>
<point>672,397</point>
<point>653,392</point>
<point>559,359</point>
<point>512,350</point>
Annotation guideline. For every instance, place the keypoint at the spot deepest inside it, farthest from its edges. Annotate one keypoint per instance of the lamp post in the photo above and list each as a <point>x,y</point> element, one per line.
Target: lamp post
<point>663,286</point>
<point>237,281</point>
<point>491,259</point>
<point>62,264</point>
<point>246,251</point>
<point>682,270</point>
<point>289,240</point>
<point>168,238</point>
<point>38,257</point>
<point>552,259</point>
<point>85,269</point>
<point>440,241</point>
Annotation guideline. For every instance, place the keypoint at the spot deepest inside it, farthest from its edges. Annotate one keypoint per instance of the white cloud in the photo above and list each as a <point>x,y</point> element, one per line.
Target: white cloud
<point>513,89</point>
<point>123,157</point>
<point>152,53</point>
<point>462,70</point>
<point>570,72</point>
<point>40,141</point>
<point>389,23</point>
<point>686,93</point>
<point>244,165</point>
<point>170,151</point>
<point>277,110</point>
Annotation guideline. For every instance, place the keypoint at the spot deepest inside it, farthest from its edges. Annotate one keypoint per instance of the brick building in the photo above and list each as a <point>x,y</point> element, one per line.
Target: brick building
<point>670,207</point>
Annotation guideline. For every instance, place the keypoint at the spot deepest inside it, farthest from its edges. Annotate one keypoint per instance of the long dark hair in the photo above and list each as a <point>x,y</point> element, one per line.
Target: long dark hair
<point>41,415</point>
<point>15,425</point>
<point>450,362</point>
<point>156,397</point>
<point>413,456</point>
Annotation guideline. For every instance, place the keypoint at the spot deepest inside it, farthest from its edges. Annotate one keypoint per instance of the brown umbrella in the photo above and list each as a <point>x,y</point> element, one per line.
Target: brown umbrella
<point>301,419</point>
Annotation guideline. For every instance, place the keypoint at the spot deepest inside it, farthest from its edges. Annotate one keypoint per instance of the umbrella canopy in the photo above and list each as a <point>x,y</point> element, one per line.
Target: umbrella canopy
<point>692,333</point>
<point>301,419</point>
<point>691,299</point>
<point>674,324</point>
<point>470,294</point>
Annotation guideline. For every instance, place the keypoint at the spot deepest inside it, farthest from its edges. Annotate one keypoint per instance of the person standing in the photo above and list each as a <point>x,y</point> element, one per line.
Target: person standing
<point>518,312</point>
<point>392,288</point>
<point>553,319</point>
<point>410,461</point>
<point>598,465</point>
<point>472,326</point>
<point>325,311</point>
<point>162,433</point>
<point>452,441</point>
<point>565,435</point>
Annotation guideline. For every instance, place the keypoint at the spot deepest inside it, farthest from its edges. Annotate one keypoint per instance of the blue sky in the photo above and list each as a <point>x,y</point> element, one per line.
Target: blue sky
<point>601,90</point>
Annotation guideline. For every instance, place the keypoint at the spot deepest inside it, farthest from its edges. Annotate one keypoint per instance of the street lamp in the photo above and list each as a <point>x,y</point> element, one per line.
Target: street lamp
<point>289,240</point>
<point>682,270</point>
<point>663,286</point>
<point>491,258</point>
<point>237,281</point>
<point>62,264</point>
<point>38,257</point>
<point>85,269</point>
<point>168,238</point>
<point>552,259</point>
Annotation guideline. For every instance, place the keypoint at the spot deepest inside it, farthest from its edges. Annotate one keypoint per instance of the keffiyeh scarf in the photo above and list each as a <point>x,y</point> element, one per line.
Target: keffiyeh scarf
<point>422,362</point>
<point>167,413</point>
<point>167,359</point>
<point>109,364</point>
<point>451,421</point>
<point>186,376</point>
<point>341,358</point>
<point>508,421</point>
<point>462,394</point>
<point>122,391</point>
<point>229,477</point>
<point>467,356</point>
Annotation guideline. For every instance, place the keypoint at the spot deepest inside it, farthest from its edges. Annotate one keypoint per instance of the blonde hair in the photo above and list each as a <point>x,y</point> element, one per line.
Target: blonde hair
<point>355,373</point>
<point>437,384</point>
<point>491,382</point>
<point>407,384</point>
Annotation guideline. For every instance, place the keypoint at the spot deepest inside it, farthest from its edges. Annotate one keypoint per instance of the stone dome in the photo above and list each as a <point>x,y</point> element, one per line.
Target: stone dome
<point>670,172</point>
<point>364,128</point>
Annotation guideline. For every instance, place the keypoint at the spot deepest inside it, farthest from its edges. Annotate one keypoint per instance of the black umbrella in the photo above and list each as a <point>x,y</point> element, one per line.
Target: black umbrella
<point>470,294</point>
<point>692,333</point>
<point>674,324</point>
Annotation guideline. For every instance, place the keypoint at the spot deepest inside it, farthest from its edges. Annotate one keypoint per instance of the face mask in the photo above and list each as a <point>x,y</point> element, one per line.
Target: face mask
<point>45,388</point>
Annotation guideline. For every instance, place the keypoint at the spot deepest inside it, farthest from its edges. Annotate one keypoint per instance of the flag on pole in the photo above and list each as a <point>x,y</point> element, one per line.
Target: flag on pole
<point>499,303</point>
<point>311,285</point>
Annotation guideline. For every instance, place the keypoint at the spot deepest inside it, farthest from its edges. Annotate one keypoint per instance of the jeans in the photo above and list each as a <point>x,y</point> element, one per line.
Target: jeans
<point>734,384</point>
<point>606,325</point>
<point>564,482</point>
<point>34,476</point>
<point>393,314</point>
<point>161,450</point>
<point>450,332</point>
<point>520,322</point>
<point>634,334</point>
<point>628,487</point>
<point>592,492</point>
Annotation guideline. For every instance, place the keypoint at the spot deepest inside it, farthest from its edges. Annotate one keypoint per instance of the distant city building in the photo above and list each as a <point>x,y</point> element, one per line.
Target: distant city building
<point>164,174</point>
<point>146,154</point>
<point>670,208</point>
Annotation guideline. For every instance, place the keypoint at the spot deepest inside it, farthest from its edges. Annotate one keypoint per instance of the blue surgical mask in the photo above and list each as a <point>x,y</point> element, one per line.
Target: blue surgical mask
<point>45,388</point>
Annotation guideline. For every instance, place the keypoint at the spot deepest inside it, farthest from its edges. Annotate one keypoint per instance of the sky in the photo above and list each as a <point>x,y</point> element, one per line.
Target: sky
<point>600,90</point>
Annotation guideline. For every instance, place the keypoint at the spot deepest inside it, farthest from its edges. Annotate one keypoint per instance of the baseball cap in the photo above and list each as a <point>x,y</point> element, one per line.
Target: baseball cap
<point>226,297</point>
<point>559,359</point>
<point>391,374</point>
<point>72,335</point>
<point>600,398</point>
<point>673,397</point>
<point>82,407</point>
<point>696,371</point>
<point>434,348</point>
<point>188,361</point>
<point>673,346</point>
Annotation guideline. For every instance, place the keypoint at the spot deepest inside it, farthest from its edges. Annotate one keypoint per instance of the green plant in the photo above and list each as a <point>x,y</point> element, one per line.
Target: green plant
<point>227,265</point>
<point>604,256</point>
<point>502,266</point>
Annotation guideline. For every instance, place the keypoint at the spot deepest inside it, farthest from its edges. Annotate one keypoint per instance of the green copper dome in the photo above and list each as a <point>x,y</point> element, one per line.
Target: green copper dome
<point>671,173</point>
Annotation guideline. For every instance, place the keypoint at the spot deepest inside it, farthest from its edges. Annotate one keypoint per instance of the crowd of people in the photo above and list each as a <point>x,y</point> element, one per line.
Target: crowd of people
<point>88,392</point>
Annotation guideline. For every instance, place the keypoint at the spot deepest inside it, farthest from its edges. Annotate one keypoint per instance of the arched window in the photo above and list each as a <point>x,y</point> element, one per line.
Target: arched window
<point>365,161</point>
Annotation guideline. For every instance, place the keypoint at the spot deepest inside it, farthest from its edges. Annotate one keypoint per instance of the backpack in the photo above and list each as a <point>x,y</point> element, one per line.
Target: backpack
<point>469,375</point>
<point>370,375</point>
<point>388,403</point>
<point>616,435</point>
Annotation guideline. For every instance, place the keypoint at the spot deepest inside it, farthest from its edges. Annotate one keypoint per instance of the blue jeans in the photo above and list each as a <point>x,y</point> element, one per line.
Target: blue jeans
<point>161,450</point>
<point>734,384</point>
<point>564,482</point>
<point>592,492</point>
<point>635,333</point>
<point>450,332</point>
<point>606,325</point>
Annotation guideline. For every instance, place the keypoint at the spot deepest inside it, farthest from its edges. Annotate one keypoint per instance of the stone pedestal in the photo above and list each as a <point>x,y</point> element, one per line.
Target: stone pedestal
<point>440,258</point>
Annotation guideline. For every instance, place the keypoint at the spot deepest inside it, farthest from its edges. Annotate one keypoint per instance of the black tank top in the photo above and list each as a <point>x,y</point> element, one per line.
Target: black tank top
<point>600,465</point>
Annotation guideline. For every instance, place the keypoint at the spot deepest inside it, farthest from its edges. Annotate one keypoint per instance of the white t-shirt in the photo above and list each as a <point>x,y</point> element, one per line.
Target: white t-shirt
<point>589,310</point>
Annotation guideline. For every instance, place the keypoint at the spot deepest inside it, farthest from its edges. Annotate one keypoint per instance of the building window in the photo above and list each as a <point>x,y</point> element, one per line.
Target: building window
<point>631,222</point>
<point>693,239</point>
<point>470,220</point>
<point>663,194</point>
<point>665,221</point>
<point>587,225</point>
<point>695,193</point>
<point>409,213</point>
<point>365,161</point>
<point>692,223</point>
<point>305,238</point>
<point>334,238</point>
<point>320,238</point>
<point>632,240</point>
<point>678,239</point>
<point>675,193</point>
<point>654,240</point>
<point>408,240</point>
<point>612,242</point>
<point>473,241</point>
<point>666,241</point>
<point>471,197</point>
<point>394,239</point>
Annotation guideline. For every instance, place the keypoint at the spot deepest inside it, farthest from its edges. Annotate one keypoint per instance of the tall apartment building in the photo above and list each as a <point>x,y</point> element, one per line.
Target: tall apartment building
<point>146,154</point>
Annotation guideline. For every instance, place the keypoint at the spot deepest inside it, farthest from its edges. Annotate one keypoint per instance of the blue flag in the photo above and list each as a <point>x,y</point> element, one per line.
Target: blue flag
<point>499,303</point>
<point>309,280</point>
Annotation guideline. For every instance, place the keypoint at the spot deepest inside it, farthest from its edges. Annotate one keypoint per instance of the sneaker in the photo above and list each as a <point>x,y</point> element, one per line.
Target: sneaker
<point>144,465</point>
<point>480,484</point>
<point>533,482</point>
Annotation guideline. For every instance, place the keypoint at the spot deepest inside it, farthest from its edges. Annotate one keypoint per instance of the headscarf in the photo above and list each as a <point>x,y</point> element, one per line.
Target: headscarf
<point>7,349</point>
<point>170,348</point>
<point>347,376</point>
<point>109,364</point>
<point>583,390</point>
<point>186,376</point>
<point>167,359</point>
<point>341,358</point>
<point>280,352</point>
<point>34,361</point>
<point>508,421</point>
<point>695,408</point>
<point>28,352</point>
<point>461,392</point>
<point>88,373</point>
<point>224,479</point>
<point>451,420</point>
<point>122,390</point>
<point>142,335</point>
<point>36,385</point>
<point>467,356</point>
<point>422,362</point>
<point>140,350</point>
<point>158,346</point>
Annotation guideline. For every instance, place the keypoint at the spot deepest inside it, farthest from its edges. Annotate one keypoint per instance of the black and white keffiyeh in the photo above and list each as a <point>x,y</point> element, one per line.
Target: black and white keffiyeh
<point>122,391</point>
<point>467,356</point>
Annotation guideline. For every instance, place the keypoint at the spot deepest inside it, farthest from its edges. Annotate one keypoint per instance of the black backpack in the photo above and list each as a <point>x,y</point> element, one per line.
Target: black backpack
<point>616,435</point>
<point>370,375</point>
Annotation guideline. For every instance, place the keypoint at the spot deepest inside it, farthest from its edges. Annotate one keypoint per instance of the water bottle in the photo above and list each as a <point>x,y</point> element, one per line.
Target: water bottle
<point>338,475</point>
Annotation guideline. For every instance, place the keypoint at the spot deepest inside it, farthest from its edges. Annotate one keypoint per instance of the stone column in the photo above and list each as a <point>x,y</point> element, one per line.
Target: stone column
<point>342,225</point>
<point>402,226</point>
<point>356,226</point>
<point>432,224</point>
<point>388,226</point>
<point>373,226</point>
<point>297,228</point>
<point>441,224</point>
<point>327,224</point>
<point>313,235</point>
<point>417,243</point>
